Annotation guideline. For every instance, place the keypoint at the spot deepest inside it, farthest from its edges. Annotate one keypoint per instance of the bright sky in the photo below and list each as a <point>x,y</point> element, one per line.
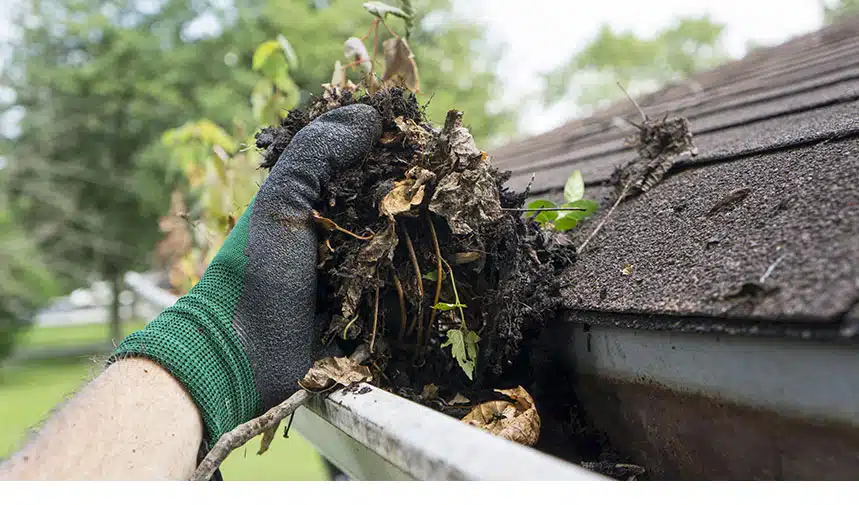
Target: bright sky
<point>541,34</point>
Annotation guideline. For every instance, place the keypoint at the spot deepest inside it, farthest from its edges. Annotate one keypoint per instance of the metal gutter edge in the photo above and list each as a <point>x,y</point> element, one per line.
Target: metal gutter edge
<point>371,434</point>
<point>374,435</point>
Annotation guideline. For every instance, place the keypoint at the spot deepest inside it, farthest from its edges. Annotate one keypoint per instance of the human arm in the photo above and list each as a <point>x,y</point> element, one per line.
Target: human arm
<point>134,421</point>
<point>242,337</point>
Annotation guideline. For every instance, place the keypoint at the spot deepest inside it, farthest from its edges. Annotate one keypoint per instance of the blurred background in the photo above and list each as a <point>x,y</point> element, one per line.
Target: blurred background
<point>126,137</point>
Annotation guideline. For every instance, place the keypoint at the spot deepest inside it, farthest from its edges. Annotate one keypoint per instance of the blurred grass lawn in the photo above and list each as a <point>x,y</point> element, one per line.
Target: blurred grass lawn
<point>73,335</point>
<point>28,392</point>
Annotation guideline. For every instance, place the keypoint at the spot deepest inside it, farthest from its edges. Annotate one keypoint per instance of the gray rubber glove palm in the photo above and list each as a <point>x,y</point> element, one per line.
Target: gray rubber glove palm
<point>243,336</point>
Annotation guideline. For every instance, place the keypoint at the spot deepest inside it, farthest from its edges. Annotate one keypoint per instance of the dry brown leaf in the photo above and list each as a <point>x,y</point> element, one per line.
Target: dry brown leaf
<point>517,421</point>
<point>459,399</point>
<point>399,61</point>
<point>328,372</point>
<point>430,392</point>
<point>467,199</point>
<point>402,198</point>
<point>355,51</point>
<point>413,131</point>
<point>381,245</point>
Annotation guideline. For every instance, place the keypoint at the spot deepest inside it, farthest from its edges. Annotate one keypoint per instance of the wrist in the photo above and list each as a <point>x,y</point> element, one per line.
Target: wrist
<point>195,340</point>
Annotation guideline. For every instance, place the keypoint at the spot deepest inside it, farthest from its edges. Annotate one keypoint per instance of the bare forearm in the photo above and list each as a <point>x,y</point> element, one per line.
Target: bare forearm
<point>132,422</point>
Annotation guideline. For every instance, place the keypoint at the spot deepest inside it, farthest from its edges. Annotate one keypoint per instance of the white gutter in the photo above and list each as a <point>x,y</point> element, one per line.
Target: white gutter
<point>371,434</point>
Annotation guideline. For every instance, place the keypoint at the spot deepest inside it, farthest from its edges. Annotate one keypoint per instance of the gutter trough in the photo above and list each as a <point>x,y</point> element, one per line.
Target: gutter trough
<point>719,406</point>
<point>682,404</point>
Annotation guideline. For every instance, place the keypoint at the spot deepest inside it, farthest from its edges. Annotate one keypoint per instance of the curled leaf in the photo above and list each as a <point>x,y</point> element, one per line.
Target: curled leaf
<point>380,246</point>
<point>574,189</point>
<point>459,399</point>
<point>430,392</point>
<point>516,420</point>
<point>328,372</point>
<point>263,52</point>
<point>338,77</point>
<point>400,62</point>
<point>402,198</point>
<point>288,51</point>
<point>413,131</point>
<point>355,51</point>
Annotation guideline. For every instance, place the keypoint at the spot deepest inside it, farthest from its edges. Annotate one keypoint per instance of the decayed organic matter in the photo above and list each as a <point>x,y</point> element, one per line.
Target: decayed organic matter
<point>420,229</point>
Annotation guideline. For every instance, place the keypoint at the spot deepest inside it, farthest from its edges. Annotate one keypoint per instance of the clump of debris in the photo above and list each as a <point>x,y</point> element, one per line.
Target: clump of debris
<point>419,257</point>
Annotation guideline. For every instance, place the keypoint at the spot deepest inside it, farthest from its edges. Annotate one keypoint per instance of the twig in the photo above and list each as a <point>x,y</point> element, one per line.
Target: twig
<point>770,269</point>
<point>414,259</point>
<point>331,225</point>
<point>439,278</point>
<point>604,219</point>
<point>640,110</point>
<point>403,316</point>
<point>375,321</point>
<point>241,434</point>
<point>419,279</point>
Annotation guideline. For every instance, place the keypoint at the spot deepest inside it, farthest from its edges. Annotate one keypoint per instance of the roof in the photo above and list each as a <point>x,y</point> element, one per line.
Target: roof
<point>762,225</point>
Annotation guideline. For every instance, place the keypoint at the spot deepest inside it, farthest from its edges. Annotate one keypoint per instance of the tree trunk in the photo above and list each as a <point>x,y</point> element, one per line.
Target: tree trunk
<point>115,334</point>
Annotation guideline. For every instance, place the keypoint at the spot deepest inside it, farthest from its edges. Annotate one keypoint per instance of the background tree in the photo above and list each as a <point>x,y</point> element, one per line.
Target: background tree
<point>96,83</point>
<point>590,77</point>
<point>834,10</point>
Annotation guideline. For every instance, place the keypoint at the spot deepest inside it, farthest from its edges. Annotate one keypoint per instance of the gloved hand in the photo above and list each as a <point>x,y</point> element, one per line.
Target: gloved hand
<point>243,336</point>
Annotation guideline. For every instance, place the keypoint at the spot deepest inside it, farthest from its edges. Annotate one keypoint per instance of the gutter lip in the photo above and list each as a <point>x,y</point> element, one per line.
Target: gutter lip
<point>841,329</point>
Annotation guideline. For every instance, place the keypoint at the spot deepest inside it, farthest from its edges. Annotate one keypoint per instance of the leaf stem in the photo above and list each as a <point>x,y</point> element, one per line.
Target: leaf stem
<point>403,316</point>
<point>375,321</point>
<point>439,279</point>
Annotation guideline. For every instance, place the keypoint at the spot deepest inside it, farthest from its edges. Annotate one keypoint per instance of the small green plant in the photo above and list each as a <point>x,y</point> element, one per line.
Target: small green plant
<point>462,341</point>
<point>566,215</point>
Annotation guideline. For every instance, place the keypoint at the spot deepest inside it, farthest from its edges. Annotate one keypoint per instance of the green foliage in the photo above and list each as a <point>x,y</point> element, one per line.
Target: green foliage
<point>837,9</point>
<point>555,216</point>
<point>463,348</point>
<point>381,10</point>
<point>98,87</point>
<point>462,341</point>
<point>26,284</point>
<point>688,46</point>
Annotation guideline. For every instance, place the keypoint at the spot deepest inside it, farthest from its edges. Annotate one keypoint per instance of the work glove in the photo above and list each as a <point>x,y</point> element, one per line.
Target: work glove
<point>244,334</point>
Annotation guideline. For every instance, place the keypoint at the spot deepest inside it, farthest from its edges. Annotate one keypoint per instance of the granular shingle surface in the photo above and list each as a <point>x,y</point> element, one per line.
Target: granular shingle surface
<point>763,225</point>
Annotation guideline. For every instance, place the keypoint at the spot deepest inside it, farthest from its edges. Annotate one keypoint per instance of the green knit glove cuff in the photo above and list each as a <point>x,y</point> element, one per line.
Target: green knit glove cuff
<point>195,341</point>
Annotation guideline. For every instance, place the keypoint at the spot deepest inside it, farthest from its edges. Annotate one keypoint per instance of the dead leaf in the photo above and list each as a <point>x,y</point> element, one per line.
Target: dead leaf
<point>355,51</point>
<point>515,420</point>
<point>401,199</point>
<point>626,270</point>
<point>328,372</point>
<point>381,245</point>
<point>338,77</point>
<point>430,392</point>
<point>467,199</point>
<point>400,62</point>
<point>459,400</point>
<point>420,175</point>
<point>460,144</point>
<point>413,131</point>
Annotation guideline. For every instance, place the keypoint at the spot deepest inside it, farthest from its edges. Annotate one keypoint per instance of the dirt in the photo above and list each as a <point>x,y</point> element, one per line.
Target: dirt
<point>421,182</point>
